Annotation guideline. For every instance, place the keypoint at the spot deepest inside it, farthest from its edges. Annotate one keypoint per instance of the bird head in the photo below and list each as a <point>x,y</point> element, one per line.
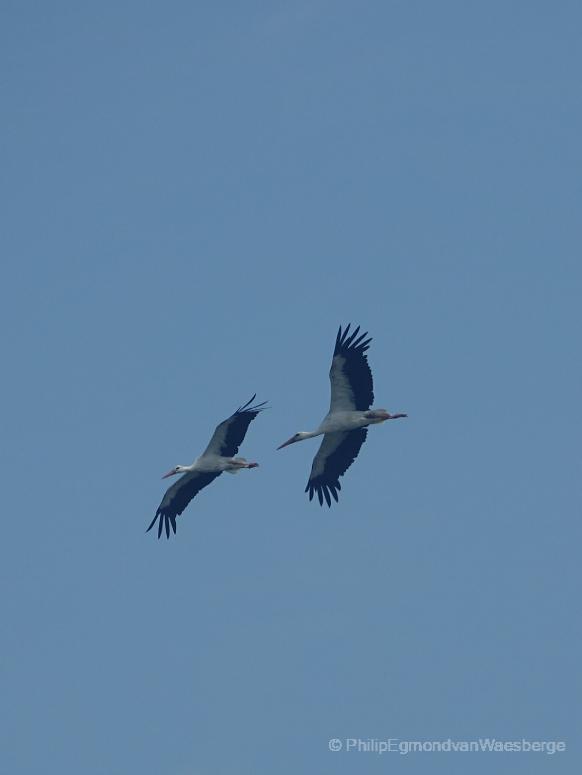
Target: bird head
<point>174,471</point>
<point>297,437</point>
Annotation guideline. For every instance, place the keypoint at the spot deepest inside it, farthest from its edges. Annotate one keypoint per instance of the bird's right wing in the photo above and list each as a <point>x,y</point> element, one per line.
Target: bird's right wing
<point>229,435</point>
<point>337,452</point>
<point>350,376</point>
<point>178,496</point>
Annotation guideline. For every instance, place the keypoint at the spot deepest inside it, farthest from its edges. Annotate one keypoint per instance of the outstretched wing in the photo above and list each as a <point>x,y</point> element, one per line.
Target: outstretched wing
<point>178,496</point>
<point>229,435</point>
<point>350,376</point>
<point>335,455</point>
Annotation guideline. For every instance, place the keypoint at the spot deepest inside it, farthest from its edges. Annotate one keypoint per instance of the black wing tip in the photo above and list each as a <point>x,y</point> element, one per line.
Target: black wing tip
<point>244,406</point>
<point>325,491</point>
<point>153,522</point>
<point>345,343</point>
<point>256,408</point>
<point>166,520</point>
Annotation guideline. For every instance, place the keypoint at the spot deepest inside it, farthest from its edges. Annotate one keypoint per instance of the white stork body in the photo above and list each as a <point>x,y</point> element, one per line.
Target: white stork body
<point>344,428</point>
<point>212,464</point>
<point>217,458</point>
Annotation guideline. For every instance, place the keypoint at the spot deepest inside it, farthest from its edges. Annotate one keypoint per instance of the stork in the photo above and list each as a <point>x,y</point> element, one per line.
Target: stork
<point>216,458</point>
<point>344,428</point>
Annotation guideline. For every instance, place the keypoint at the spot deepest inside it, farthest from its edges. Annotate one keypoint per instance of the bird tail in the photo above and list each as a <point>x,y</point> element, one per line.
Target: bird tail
<point>236,460</point>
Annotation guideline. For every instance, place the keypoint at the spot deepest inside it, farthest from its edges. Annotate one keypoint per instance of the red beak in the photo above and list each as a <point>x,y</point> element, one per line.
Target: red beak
<point>170,473</point>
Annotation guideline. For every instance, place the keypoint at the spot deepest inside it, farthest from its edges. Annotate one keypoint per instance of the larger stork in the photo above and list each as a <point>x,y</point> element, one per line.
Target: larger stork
<point>216,458</point>
<point>344,428</point>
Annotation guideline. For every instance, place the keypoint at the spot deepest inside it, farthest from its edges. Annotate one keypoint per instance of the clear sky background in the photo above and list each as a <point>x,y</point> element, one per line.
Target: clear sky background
<point>195,196</point>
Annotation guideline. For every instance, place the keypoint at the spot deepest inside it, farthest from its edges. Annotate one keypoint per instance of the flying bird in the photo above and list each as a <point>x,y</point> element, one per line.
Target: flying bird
<point>344,428</point>
<point>216,458</point>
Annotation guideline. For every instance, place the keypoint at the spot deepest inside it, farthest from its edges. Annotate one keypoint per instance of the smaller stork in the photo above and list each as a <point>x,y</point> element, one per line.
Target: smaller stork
<point>216,458</point>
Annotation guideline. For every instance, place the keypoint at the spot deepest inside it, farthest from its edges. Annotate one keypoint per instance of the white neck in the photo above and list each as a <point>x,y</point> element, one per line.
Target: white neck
<point>309,434</point>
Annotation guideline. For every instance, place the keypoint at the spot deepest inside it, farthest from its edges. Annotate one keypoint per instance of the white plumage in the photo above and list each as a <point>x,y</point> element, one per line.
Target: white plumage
<point>218,457</point>
<point>344,428</point>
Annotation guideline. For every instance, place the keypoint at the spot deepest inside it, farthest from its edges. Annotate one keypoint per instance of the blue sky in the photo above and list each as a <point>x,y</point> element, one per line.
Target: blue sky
<point>195,196</point>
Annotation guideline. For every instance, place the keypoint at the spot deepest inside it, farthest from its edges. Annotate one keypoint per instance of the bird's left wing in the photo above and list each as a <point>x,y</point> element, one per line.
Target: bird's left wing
<point>350,376</point>
<point>229,435</point>
<point>337,452</point>
<point>178,496</point>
